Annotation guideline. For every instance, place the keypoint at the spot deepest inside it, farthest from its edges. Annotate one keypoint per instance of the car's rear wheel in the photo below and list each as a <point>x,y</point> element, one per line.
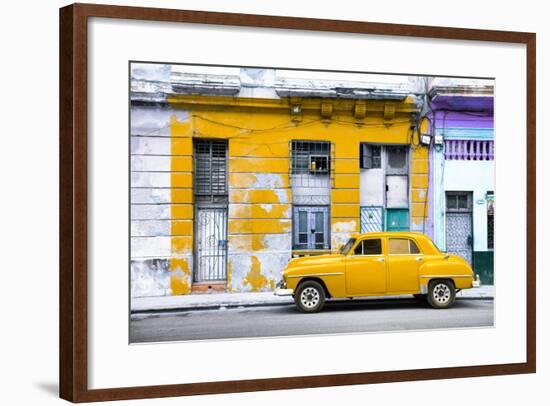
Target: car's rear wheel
<point>310,297</point>
<point>441,294</point>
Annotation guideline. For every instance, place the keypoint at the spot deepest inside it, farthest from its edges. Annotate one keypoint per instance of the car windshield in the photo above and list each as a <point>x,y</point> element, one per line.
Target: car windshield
<point>345,248</point>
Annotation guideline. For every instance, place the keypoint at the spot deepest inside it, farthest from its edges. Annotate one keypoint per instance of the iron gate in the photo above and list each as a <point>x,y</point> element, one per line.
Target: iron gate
<point>211,246</point>
<point>372,219</point>
<point>459,235</point>
<point>458,229</point>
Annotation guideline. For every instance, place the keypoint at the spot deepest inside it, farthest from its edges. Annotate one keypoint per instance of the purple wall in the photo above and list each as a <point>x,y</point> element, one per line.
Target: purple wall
<point>455,112</point>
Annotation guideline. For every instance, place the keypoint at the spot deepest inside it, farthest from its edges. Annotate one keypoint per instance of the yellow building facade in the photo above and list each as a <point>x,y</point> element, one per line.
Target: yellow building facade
<point>242,238</point>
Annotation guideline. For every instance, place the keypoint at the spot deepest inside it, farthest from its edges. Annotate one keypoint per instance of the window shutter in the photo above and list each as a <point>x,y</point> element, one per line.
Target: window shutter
<point>366,156</point>
<point>210,169</point>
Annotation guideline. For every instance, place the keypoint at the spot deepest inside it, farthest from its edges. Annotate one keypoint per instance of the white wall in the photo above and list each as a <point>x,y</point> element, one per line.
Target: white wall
<point>29,182</point>
<point>372,187</point>
<point>477,177</point>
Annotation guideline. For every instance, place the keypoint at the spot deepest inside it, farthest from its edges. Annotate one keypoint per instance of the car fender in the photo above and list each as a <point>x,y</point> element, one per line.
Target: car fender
<point>454,269</point>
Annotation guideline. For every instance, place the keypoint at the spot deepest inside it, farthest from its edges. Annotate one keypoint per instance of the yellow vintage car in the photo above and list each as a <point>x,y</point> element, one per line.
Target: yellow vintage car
<point>378,264</point>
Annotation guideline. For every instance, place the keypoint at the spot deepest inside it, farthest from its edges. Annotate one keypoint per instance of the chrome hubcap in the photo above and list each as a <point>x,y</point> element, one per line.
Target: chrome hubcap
<point>310,297</point>
<point>441,293</point>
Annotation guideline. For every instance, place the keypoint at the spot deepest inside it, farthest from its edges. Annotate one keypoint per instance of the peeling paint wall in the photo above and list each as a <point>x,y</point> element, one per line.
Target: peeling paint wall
<point>181,208</point>
<point>259,221</point>
<point>161,216</point>
<point>259,131</point>
<point>419,189</point>
<point>150,277</point>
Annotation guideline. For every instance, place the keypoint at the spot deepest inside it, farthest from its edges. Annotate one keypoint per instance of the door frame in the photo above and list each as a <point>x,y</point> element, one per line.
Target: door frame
<point>406,171</point>
<point>382,217</point>
<point>386,222</point>
<point>196,228</point>
<point>295,223</point>
<point>469,210</point>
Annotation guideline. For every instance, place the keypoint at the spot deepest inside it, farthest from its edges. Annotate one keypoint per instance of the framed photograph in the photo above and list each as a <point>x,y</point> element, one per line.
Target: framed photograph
<point>254,202</point>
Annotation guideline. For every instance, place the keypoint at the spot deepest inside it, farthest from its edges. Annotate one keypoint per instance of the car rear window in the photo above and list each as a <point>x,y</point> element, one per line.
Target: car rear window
<point>402,246</point>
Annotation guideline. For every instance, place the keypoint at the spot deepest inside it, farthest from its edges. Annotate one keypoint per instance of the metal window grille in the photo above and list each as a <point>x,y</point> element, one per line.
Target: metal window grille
<point>396,160</point>
<point>490,221</point>
<point>310,157</point>
<point>371,156</point>
<point>459,201</point>
<point>211,244</point>
<point>490,231</point>
<point>372,219</point>
<point>469,150</point>
<point>210,170</point>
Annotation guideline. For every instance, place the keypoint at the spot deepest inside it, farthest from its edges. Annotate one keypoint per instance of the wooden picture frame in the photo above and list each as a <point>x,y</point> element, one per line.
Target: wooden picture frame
<point>73,198</point>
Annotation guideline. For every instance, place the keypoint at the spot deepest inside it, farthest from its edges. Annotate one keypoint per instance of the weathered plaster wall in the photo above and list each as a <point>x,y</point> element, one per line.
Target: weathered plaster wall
<point>419,168</point>
<point>259,133</point>
<point>475,176</point>
<point>260,193</point>
<point>181,208</point>
<point>479,178</point>
<point>159,227</point>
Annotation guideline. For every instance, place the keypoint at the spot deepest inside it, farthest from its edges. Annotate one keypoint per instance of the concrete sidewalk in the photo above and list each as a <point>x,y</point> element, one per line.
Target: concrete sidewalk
<point>204,301</point>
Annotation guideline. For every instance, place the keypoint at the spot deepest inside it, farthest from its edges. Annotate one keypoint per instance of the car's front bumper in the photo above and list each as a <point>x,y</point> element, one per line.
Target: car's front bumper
<point>476,283</point>
<point>282,290</point>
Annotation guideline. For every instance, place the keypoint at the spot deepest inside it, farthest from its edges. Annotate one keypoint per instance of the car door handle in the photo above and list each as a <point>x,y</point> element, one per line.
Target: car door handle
<point>380,259</point>
<point>418,258</point>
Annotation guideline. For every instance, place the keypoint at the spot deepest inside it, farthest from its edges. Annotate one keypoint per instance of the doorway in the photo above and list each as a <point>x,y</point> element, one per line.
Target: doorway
<point>211,246</point>
<point>311,228</point>
<point>458,224</point>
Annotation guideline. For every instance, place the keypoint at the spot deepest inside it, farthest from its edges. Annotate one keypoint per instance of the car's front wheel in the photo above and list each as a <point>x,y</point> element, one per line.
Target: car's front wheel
<point>310,297</point>
<point>441,294</point>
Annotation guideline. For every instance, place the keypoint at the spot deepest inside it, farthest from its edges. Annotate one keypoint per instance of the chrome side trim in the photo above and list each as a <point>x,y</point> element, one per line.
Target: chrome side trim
<point>316,274</point>
<point>445,276</point>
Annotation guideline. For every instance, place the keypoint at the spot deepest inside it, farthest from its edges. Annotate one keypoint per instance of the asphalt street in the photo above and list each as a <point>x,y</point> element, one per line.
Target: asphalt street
<point>284,320</point>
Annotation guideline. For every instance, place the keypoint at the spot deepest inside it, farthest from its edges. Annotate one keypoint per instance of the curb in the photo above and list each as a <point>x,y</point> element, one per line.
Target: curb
<point>210,307</point>
<point>266,304</point>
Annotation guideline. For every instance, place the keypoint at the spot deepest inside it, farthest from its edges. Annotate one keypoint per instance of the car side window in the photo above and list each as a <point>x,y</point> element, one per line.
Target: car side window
<point>402,246</point>
<point>369,247</point>
<point>413,247</point>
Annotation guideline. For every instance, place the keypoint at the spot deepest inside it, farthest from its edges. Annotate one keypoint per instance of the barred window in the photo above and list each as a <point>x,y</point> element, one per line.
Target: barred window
<point>371,156</point>
<point>310,157</point>
<point>210,170</point>
<point>396,157</point>
<point>490,220</point>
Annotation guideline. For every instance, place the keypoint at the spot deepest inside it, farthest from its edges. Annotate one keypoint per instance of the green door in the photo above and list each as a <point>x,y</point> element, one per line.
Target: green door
<point>397,219</point>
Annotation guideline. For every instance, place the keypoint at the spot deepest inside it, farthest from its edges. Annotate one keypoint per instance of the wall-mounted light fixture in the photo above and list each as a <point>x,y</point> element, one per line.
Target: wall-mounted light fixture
<point>296,109</point>
<point>425,139</point>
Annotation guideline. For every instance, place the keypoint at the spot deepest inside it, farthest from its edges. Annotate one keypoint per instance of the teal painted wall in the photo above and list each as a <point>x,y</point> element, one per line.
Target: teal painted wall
<point>483,263</point>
